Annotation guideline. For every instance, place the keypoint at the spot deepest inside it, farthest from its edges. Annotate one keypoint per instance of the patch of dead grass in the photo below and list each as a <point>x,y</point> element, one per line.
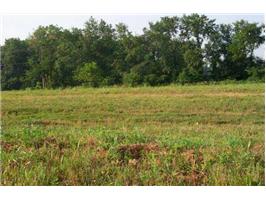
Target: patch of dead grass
<point>136,151</point>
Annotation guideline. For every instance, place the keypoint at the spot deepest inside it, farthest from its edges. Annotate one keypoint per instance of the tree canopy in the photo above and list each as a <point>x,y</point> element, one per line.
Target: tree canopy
<point>186,49</point>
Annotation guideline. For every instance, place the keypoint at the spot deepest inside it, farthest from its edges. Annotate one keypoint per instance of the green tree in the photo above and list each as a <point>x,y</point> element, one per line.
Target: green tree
<point>136,58</point>
<point>155,57</point>
<point>43,44</point>
<point>193,72</point>
<point>247,37</point>
<point>68,57</point>
<point>188,49</point>
<point>195,31</point>
<point>164,51</point>
<point>100,46</point>
<point>217,56</point>
<point>125,42</point>
<point>196,28</point>
<point>14,56</point>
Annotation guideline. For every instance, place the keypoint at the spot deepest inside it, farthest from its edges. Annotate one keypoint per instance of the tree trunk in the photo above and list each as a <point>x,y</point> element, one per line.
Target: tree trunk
<point>43,82</point>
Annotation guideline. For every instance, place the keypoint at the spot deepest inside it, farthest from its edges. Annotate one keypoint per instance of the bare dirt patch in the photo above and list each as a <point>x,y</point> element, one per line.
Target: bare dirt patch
<point>192,156</point>
<point>136,151</point>
<point>192,178</point>
<point>257,149</point>
<point>196,176</point>
<point>7,146</point>
<point>51,142</point>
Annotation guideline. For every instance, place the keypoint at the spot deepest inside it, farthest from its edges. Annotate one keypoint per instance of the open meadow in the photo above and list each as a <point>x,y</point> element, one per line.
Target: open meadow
<point>171,135</point>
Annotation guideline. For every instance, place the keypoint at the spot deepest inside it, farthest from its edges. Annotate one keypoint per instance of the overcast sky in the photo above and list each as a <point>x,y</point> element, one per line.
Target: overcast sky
<point>22,26</point>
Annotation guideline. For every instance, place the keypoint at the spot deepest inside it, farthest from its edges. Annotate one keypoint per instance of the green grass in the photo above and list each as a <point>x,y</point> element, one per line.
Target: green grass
<point>173,135</point>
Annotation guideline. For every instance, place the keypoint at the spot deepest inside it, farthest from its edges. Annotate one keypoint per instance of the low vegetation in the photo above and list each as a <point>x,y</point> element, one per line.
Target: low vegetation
<point>172,135</point>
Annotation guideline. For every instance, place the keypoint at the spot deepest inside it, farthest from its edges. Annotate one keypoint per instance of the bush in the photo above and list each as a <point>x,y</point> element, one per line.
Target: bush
<point>189,76</point>
<point>89,75</point>
<point>113,78</point>
<point>256,73</point>
<point>132,79</point>
<point>151,79</point>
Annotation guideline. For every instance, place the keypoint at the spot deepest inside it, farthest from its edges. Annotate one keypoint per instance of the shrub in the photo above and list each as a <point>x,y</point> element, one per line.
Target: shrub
<point>189,76</point>
<point>151,79</point>
<point>89,75</point>
<point>132,79</point>
<point>256,73</point>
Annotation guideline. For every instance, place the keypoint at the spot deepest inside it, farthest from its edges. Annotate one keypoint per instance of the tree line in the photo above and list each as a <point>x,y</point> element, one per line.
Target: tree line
<point>187,49</point>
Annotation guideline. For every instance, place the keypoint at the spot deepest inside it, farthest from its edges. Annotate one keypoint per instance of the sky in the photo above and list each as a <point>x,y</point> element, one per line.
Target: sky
<point>21,26</point>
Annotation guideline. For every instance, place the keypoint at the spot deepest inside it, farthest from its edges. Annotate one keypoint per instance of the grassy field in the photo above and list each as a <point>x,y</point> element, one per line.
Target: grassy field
<point>174,135</point>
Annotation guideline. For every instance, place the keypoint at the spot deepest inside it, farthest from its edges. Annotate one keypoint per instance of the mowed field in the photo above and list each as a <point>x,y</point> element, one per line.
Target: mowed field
<point>173,135</point>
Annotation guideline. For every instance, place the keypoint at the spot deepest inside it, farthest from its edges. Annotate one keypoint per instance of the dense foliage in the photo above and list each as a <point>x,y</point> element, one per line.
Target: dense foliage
<point>185,49</point>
